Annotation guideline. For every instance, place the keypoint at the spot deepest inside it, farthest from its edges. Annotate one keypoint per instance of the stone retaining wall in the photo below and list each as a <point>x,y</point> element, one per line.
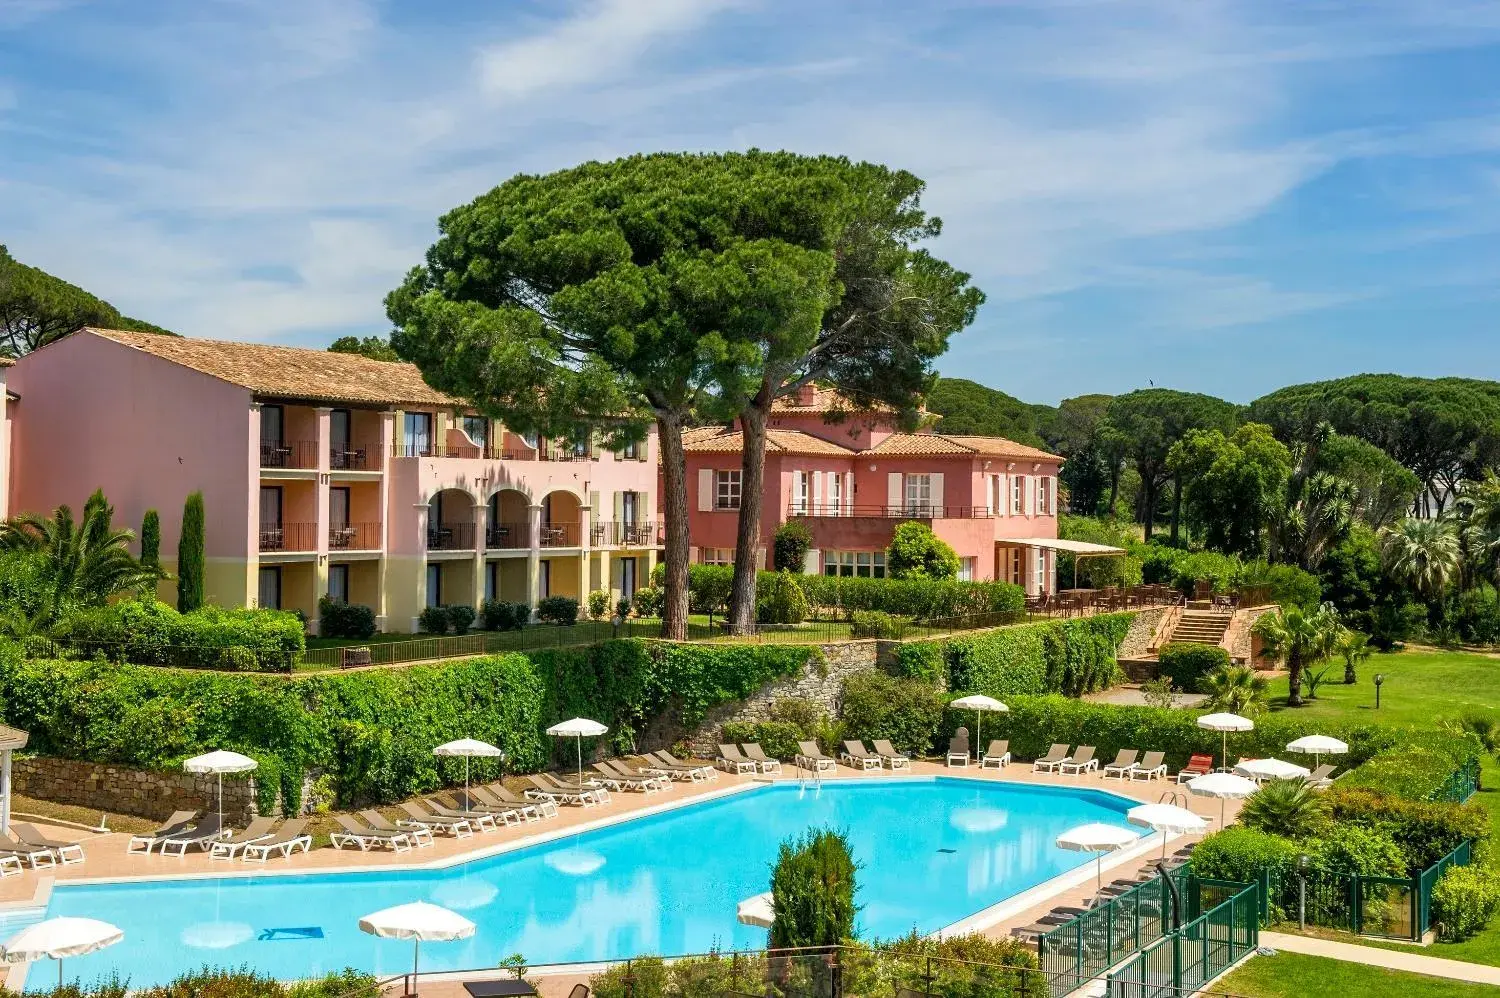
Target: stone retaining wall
<point>1139,639</point>
<point>146,793</point>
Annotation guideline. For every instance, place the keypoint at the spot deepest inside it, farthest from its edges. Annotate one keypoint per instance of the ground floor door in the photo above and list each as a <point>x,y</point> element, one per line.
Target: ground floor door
<point>268,588</point>
<point>627,577</point>
<point>435,585</point>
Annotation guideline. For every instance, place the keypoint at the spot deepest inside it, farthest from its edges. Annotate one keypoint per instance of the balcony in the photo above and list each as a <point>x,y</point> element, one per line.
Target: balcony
<point>353,459</point>
<point>296,537</point>
<point>916,511</point>
<point>354,537</point>
<point>508,537</point>
<point>296,454</point>
<point>560,535</point>
<point>629,535</point>
<point>451,537</point>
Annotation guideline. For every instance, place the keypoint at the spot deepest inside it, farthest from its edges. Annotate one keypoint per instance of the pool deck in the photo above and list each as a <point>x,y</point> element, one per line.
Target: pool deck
<point>107,860</point>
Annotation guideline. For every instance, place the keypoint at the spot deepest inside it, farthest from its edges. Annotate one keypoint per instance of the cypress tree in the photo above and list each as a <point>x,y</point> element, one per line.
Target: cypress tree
<point>151,540</point>
<point>190,556</point>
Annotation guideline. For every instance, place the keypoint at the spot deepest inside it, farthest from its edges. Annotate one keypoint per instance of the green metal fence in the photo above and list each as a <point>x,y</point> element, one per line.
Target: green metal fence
<point>1205,947</point>
<point>1429,877</point>
<point>1099,938</point>
<point>1461,784</point>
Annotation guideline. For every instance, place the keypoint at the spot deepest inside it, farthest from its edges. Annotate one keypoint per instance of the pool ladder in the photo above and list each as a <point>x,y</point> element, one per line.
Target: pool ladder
<point>804,780</point>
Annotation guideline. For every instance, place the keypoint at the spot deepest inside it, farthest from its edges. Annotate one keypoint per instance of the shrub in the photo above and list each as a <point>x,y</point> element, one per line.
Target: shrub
<point>1425,830</point>
<point>237,659</point>
<point>348,983</point>
<point>780,600</point>
<point>1464,900</point>
<point>599,604</point>
<point>337,619</point>
<point>1350,848</point>
<point>920,660</point>
<point>560,610</point>
<point>648,601</point>
<point>916,552</point>
<point>790,545</point>
<point>1157,692</point>
<point>878,624</point>
<point>1186,663</point>
<point>498,615</point>
<point>1221,570</point>
<point>151,540</point>
<point>433,620</point>
<point>149,632</point>
<point>460,617</point>
<point>812,891</point>
<point>924,599</point>
<point>1286,807</point>
<point>907,711</point>
<point>622,607</point>
<point>778,739</point>
<point>1238,689</point>
<point>190,556</point>
<point>1239,854</point>
<point>1289,585</point>
<point>708,587</point>
<point>241,983</point>
<point>1419,767</point>
<point>1055,656</point>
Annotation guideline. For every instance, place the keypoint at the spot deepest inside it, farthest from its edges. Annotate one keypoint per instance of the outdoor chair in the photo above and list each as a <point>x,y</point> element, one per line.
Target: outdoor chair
<point>859,757</point>
<point>997,755</point>
<point>757,755</point>
<point>1123,764</point>
<point>420,835</point>
<point>258,829</point>
<point>623,781</point>
<point>66,852</point>
<point>730,760</point>
<point>809,756</point>
<point>1056,756</point>
<point>179,822</point>
<point>657,780</point>
<point>37,856</point>
<point>202,835</point>
<point>1322,777</point>
<point>1150,767</point>
<point>496,795</point>
<point>287,839</point>
<point>888,754</point>
<point>459,828</point>
<point>1199,765</point>
<point>365,838</point>
<point>480,820</point>
<point>1081,761</point>
<point>958,749</point>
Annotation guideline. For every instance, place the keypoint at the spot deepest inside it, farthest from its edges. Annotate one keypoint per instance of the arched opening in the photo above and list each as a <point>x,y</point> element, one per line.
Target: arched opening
<point>450,521</point>
<point>509,525</point>
<point>560,520</point>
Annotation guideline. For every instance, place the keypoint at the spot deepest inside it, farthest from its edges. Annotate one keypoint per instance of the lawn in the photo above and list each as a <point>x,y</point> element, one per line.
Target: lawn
<point>1420,687</point>
<point>1292,975</point>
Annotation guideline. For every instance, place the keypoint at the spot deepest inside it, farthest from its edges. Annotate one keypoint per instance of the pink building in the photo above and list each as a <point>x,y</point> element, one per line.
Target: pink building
<point>326,473</point>
<point>993,500</point>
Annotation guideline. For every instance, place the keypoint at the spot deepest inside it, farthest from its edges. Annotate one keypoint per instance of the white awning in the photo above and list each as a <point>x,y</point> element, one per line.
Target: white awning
<point>1058,544</point>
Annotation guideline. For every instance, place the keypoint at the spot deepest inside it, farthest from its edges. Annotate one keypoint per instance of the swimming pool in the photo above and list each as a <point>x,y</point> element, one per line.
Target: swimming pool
<point>933,851</point>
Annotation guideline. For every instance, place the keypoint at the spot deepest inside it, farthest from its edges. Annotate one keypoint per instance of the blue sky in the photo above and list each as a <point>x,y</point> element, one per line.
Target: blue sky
<point>1217,196</point>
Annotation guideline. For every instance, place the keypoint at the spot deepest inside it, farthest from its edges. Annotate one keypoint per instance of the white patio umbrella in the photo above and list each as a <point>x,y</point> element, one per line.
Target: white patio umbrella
<point>1096,837</point>
<point>579,728</point>
<point>756,910</point>
<point>420,922</point>
<point>1272,769</point>
<point>1225,786</point>
<point>219,763</point>
<point>1317,746</point>
<point>57,938</point>
<point>978,703</point>
<point>469,748</point>
<point>1169,819</point>
<point>1225,723</point>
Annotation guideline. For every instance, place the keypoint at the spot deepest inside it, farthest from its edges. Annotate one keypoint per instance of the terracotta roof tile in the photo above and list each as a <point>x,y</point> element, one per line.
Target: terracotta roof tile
<point>824,400</point>
<point>1001,447</point>
<point>290,372</point>
<point>943,443</point>
<point>718,440</point>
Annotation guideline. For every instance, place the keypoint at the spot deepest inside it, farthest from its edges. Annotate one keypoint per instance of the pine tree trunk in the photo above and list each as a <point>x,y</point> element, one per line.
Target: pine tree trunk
<point>1148,506</point>
<point>1294,680</point>
<point>674,608</point>
<point>752,499</point>
<point>1176,506</point>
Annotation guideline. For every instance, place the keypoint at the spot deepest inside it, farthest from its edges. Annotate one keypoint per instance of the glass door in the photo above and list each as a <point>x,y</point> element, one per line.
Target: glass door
<point>338,438</point>
<point>268,588</point>
<point>271,537</point>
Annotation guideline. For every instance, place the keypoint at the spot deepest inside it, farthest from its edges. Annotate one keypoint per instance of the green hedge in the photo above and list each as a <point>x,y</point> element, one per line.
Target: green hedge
<point>1185,663</point>
<point>907,711</point>
<point>149,632</point>
<point>374,730</point>
<point>1054,656</point>
<point>1418,768</point>
<point>1425,830</point>
<point>841,596</point>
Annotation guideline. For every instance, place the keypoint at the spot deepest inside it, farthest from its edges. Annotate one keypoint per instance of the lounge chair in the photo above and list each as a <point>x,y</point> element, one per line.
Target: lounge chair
<point>1080,762</point>
<point>670,761</point>
<point>36,856</point>
<point>204,834</point>
<point>1199,765</point>
<point>1123,764</point>
<point>258,830</point>
<point>889,755</point>
<point>479,820</point>
<point>958,749</point>
<point>558,794</point>
<point>11,866</point>
<point>809,756</point>
<point>627,771</point>
<point>757,755</point>
<point>287,839</point>
<point>624,781</point>
<point>859,757</point>
<point>66,852</point>
<point>365,837</point>
<point>574,785</point>
<point>419,834</point>
<point>997,755</point>
<point>1056,756</point>
<point>459,828</point>
<point>1151,766</point>
<point>143,844</point>
<point>510,814</point>
<point>1322,777</point>
<point>731,760</point>
<point>532,810</point>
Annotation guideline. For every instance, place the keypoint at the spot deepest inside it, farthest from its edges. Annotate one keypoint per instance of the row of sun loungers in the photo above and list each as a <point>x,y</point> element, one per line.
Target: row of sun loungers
<point>1063,914</point>
<point>258,842</point>
<point>30,847</point>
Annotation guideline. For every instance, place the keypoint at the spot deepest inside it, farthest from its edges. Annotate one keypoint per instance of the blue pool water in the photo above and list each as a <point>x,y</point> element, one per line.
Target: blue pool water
<point>932,852</point>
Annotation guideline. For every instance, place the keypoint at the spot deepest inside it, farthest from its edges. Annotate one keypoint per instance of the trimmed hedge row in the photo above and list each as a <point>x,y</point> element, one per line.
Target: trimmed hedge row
<point>841,596</point>
<point>149,632</point>
<point>1186,662</point>
<point>1417,769</point>
<point>373,731</point>
<point>1053,656</point>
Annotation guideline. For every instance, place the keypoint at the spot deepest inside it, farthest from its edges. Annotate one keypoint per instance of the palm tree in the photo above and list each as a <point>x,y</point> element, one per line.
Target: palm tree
<point>87,562</point>
<point>1299,638</point>
<point>1479,505</point>
<point>1423,554</point>
<point>1355,649</point>
<point>1286,807</point>
<point>1237,689</point>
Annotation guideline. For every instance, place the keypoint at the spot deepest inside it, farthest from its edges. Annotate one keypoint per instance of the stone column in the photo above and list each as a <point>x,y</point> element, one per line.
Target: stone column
<point>5,788</point>
<point>320,529</point>
<point>481,530</point>
<point>533,554</point>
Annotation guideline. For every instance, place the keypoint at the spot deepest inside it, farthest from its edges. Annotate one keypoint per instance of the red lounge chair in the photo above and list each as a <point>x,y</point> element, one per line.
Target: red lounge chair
<point>1198,765</point>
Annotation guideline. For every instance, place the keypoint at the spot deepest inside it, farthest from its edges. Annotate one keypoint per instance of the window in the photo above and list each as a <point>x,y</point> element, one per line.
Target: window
<point>1039,561</point>
<point>716,556</point>
<point>338,507</point>
<point>545,583</point>
<point>478,430</point>
<point>627,577</point>
<point>1043,495</point>
<point>338,583</point>
<point>273,452</point>
<point>836,494</point>
<point>1017,571</point>
<point>434,585</point>
<point>629,501</point>
<point>268,588</point>
<point>862,564</point>
<point>727,489</point>
<point>581,448</point>
<point>799,491</point>
<point>491,568</point>
<point>918,492</point>
<point>966,570</point>
<point>1018,495</point>
<point>630,452</point>
<point>418,429</point>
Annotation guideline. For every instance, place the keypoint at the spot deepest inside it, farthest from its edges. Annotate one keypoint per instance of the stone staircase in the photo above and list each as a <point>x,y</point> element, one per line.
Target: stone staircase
<point>1204,627</point>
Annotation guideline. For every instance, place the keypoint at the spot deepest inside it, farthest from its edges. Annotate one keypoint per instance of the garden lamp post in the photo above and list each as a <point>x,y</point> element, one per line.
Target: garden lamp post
<point>1379,678</point>
<point>1302,863</point>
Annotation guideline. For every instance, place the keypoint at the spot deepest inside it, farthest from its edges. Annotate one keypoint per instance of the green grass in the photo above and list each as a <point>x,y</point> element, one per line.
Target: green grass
<point>1292,975</point>
<point>1420,687</point>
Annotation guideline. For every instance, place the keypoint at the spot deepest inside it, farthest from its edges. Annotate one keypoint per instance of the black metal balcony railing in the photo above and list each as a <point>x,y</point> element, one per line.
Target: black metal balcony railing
<point>353,458</point>
<point>354,537</point>
<point>508,536</point>
<point>299,454</point>
<point>451,537</point>
<point>919,511</point>
<point>560,535</point>
<point>635,535</point>
<point>288,536</point>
